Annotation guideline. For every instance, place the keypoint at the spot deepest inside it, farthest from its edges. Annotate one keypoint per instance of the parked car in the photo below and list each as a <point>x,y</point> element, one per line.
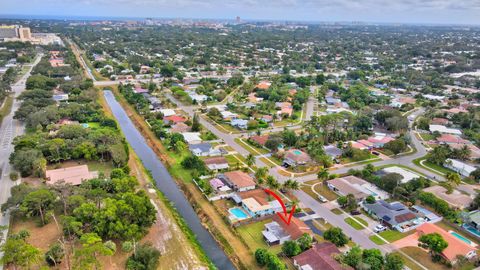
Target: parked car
<point>379,228</point>
<point>376,153</point>
<point>355,212</point>
<point>322,199</point>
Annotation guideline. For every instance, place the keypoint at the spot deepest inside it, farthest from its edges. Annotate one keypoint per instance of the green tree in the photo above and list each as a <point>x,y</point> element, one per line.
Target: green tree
<point>86,257</point>
<point>453,178</point>
<point>55,254</point>
<point>434,242</point>
<point>396,146</point>
<point>145,257</point>
<point>323,174</point>
<point>272,182</point>
<point>261,256</point>
<point>261,174</point>
<point>370,199</point>
<point>18,253</point>
<point>250,160</point>
<point>354,257</point>
<point>374,258</point>
<point>195,123</point>
<point>38,203</point>
<point>336,236</point>
<point>291,248</point>
<point>393,261</point>
<point>305,241</point>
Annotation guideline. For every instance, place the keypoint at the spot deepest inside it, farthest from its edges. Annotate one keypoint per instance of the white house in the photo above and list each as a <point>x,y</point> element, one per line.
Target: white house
<point>460,167</point>
<point>444,129</point>
<point>167,112</point>
<point>192,137</point>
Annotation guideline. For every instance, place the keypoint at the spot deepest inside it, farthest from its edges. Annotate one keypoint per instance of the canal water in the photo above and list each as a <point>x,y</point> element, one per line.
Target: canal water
<point>167,185</point>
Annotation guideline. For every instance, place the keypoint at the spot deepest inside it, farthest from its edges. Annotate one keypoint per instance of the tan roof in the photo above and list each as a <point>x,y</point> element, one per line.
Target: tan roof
<point>72,175</point>
<point>297,156</point>
<point>215,160</point>
<point>455,199</point>
<point>180,128</point>
<point>240,179</point>
<point>254,205</point>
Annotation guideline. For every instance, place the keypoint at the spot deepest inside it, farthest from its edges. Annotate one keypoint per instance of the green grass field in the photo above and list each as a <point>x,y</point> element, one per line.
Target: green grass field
<point>350,221</point>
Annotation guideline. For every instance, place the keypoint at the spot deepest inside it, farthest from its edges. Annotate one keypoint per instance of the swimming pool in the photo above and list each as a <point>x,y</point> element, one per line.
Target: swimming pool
<point>238,213</point>
<point>471,230</point>
<point>461,237</point>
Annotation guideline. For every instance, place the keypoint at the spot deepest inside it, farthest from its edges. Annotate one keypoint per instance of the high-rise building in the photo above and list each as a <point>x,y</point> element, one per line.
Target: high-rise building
<point>238,19</point>
<point>15,31</point>
<point>24,33</point>
<point>8,31</point>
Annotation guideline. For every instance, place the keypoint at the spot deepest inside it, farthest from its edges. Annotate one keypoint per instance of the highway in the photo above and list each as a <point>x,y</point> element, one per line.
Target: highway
<point>9,129</point>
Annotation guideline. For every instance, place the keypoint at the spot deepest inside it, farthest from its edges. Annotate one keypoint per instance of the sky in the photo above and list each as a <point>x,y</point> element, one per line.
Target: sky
<point>387,11</point>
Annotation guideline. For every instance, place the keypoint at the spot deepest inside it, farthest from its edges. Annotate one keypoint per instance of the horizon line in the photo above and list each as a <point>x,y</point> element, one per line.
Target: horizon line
<point>143,18</point>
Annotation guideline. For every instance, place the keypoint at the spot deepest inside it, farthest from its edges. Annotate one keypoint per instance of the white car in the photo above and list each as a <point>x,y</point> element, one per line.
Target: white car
<point>379,228</point>
<point>322,199</point>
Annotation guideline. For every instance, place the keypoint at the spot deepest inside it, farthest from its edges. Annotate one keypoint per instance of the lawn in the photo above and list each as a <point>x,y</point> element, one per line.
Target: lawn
<point>6,108</point>
<point>427,136</point>
<point>389,235</point>
<point>319,188</point>
<point>423,258</point>
<point>431,167</point>
<point>252,235</point>
<point>336,211</point>
<point>251,148</point>
<point>350,221</point>
<point>377,240</point>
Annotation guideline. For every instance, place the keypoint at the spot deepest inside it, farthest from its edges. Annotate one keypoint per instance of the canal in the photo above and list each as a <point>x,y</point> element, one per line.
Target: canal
<point>167,185</point>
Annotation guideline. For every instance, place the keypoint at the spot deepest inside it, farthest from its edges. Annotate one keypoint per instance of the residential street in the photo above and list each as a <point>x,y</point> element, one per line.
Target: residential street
<point>9,129</point>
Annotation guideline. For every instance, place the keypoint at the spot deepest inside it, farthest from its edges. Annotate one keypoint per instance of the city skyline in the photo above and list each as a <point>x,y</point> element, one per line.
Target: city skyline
<point>374,11</point>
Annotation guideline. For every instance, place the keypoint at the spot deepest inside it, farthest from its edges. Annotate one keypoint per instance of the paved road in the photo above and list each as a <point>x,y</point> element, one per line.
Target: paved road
<point>9,129</point>
<point>359,237</point>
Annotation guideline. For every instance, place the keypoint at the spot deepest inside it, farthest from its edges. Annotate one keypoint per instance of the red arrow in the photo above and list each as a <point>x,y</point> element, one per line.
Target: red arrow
<point>286,217</point>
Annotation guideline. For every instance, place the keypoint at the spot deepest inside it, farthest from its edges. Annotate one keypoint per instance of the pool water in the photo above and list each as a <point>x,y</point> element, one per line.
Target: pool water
<point>238,213</point>
<point>297,152</point>
<point>472,230</point>
<point>461,237</point>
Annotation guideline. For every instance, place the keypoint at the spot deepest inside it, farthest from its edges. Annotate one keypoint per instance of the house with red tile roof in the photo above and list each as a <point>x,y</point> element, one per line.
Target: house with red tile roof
<point>440,121</point>
<point>174,119</point>
<point>320,257</point>
<point>451,139</point>
<point>455,246</point>
<point>259,139</point>
<point>264,85</point>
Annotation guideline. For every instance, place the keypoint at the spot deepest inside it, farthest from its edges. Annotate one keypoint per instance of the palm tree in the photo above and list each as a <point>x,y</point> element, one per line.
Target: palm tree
<point>291,184</point>
<point>295,185</point>
<point>250,160</point>
<point>323,174</point>
<point>453,178</point>
<point>272,182</point>
<point>260,174</point>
